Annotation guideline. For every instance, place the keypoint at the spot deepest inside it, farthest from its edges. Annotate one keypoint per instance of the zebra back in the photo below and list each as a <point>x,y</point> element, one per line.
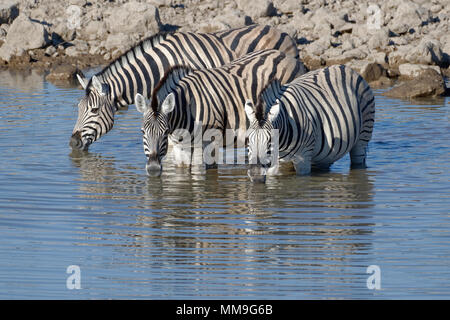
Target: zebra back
<point>248,39</point>
<point>141,68</point>
<point>216,96</point>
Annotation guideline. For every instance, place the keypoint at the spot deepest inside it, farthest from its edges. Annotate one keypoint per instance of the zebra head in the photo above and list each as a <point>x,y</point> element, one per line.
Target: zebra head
<point>260,139</point>
<point>155,130</point>
<point>95,114</point>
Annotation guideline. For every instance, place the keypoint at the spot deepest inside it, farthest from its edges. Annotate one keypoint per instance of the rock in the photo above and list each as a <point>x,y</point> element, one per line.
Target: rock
<point>379,39</point>
<point>63,73</point>
<point>356,53</point>
<point>408,15</point>
<point>399,28</point>
<point>429,83</point>
<point>96,29</point>
<point>317,48</point>
<point>78,48</point>
<point>427,52</point>
<point>378,57</point>
<point>212,26</point>
<point>23,35</point>
<point>257,9</point>
<point>372,71</point>
<point>50,50</point>
<point>3,33</point>
<point>133,17</point>
<point>119,41</point>
<point>232,19</point>
<point>9,10</point>
<point>289,6</point>
<point>409,70</point>
<point>64,31</point>
<point>382,82</point>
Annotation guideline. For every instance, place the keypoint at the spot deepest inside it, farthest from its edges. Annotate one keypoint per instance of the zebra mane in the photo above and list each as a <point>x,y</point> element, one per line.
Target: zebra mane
<point>267,98</point>
<point>146,43</point>
<point>168,82</point>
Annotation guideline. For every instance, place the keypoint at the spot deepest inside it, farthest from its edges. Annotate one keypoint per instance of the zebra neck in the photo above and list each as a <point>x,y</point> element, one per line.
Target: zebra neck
<point>116,93</point>
<point>284,127</point>
<point>181,117</point>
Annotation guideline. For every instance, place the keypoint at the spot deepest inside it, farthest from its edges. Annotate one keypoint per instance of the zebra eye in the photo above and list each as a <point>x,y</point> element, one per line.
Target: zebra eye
<point>95,109</point>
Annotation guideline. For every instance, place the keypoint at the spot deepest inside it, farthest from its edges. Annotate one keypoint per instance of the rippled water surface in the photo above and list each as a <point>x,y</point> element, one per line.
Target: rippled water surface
<point>217,235</point>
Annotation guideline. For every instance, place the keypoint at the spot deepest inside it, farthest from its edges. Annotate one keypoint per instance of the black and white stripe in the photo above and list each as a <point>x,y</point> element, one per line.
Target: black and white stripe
<point>320,117</point>
<point>143,66</point>
<point>212,97</point>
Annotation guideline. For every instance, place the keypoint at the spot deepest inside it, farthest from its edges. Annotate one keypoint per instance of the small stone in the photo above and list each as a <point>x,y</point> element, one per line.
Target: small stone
<point>50,51</point>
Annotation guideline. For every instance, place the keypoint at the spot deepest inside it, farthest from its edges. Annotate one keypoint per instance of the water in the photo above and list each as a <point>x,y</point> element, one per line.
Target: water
<point>216,236</point>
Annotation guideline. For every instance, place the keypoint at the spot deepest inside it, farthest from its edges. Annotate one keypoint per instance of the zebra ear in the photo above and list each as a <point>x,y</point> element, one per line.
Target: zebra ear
<point>168,104</point>
<point>139,101</point>
<point>250,111</point>
<point>82,80</point>
<point>98,86</point>
<point>274,112</point>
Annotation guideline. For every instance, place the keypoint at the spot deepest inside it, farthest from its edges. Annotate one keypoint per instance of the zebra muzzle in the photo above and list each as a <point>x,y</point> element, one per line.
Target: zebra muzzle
<point>75,141</point>
<point>153,168</point>
<point>257,173</point>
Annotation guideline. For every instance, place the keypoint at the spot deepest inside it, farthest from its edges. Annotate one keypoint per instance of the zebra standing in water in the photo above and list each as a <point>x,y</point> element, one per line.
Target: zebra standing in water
<point>142,67</point>
<point>320,116</point>
<point>213,97</point>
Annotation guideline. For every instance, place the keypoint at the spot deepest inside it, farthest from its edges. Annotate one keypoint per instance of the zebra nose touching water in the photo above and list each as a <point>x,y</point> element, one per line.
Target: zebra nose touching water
<point>95,114</point>
<point>190,104</point>
<point>155,131</point>
<point>313,121</point>
<point>139,70</point>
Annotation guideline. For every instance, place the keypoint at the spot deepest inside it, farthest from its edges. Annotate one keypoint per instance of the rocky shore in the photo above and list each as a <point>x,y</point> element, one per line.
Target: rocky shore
<point>385,41</point>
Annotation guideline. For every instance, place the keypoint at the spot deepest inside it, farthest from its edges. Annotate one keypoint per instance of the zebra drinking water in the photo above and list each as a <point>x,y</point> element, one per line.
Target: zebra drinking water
<point>142,67</point>
<point>317,118</point>
<point>212,97</point>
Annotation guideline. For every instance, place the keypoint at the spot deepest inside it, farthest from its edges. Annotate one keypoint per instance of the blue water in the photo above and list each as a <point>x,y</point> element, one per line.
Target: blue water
<point>214,236</point>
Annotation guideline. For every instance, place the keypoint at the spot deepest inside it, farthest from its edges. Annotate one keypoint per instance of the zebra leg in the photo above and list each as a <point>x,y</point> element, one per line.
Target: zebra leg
<point>273,171</point>
<point>198,166</point>
<point>181,155</point>
<point>358,154</point>
<point>302,165</point>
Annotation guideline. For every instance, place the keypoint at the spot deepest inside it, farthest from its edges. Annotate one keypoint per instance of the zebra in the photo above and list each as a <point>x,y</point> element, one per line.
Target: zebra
<point>139,70</point>
<point>317,118</point>
<point>212,96</point>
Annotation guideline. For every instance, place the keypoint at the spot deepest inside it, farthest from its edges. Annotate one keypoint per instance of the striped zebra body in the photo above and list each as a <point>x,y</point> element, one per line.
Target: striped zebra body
<point>255,38</point>
<point>212,97</point>
<point>320,117</point>
<point>142,67</point>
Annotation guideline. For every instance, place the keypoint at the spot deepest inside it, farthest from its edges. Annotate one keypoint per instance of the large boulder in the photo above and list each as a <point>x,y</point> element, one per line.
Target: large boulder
<point>427,51</point>
<point>408,15</point>
<point>64,72</point>
<point>8,11</point>
<point>409,70</point>
<point>429,83</point>
<point>257,9</point>
<point>133,18</point>
<point>24,34</point>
